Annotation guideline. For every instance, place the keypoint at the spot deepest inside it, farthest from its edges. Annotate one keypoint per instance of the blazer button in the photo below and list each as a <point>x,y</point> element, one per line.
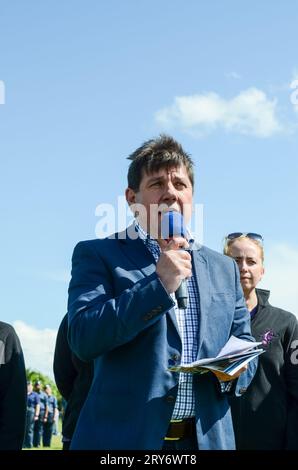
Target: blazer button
<point>175,357</point>
<point>170,398</point>
<point>148,317</point>
<point>156,310</point>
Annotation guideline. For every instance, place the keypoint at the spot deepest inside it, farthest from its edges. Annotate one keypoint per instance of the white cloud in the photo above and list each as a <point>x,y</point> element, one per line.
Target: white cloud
<point>281,265</point>
<point>294,90</point>
<point>38,347</point>
<point>250,112</point>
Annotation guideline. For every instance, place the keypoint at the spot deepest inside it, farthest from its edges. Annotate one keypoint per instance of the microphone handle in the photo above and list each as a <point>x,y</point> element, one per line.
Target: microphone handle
<point>181,295</point>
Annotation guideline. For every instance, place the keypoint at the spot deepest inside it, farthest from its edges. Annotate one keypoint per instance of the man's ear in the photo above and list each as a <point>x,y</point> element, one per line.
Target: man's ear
<point>130,196</point>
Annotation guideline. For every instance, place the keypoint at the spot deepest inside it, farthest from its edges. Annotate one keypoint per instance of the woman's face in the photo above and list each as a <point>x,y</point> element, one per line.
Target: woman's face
<point>248,256</point>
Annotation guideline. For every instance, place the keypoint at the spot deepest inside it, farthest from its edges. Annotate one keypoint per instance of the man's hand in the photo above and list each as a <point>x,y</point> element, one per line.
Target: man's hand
<point>174,264</point>
<point>226,377</point>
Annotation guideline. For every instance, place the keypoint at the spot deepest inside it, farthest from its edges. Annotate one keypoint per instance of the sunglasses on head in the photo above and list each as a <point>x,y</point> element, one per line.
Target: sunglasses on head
<point>252,235</point>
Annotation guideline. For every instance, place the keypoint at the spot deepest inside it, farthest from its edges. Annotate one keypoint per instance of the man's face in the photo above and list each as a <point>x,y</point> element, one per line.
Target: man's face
<point>166,189</point>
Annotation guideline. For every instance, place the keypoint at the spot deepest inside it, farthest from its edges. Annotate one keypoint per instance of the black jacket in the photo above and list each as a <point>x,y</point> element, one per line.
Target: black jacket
<point>73,378</point>
<point>266,416</point>
<point>13,390</point>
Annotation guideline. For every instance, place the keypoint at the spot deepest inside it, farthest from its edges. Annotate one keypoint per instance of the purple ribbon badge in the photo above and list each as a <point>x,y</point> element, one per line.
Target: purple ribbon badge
<point>267,337</point>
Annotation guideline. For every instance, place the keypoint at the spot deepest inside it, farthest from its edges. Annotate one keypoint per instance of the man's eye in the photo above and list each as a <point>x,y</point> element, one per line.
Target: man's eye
<point>179,184</point>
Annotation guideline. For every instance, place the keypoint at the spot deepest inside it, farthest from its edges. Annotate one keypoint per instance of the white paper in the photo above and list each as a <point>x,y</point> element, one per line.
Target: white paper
<point>235,354</point>
<point>237,345</point>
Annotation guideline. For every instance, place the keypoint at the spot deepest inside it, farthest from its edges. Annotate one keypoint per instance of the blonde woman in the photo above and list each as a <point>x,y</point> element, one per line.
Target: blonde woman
<point>266,416</point>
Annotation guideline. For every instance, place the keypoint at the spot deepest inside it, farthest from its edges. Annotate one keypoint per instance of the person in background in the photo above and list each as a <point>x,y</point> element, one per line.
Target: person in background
<point>73,378</point>
<point>266,417</point>
<point>31,416</point>
<point>58,416</point>
<point>49,418</point>
<point>13,390</point>
<point>43,404</point>
<point>123,314</point>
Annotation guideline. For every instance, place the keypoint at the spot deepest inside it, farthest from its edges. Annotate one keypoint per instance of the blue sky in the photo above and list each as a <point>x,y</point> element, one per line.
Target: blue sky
<point>87,82</point>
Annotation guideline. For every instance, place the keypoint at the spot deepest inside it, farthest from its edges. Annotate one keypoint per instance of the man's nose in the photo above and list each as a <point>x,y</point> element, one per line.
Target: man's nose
<point>170,193</point>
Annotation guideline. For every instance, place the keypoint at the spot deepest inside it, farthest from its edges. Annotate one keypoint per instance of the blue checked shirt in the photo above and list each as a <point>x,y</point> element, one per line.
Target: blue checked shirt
<point>188,322</point>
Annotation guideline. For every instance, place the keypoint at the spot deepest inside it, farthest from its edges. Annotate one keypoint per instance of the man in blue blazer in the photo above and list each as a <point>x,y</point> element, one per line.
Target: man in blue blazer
<point>124,316</point>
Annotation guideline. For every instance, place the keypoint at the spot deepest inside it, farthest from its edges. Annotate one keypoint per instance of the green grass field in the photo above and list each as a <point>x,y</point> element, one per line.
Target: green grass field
<point>56,443</point>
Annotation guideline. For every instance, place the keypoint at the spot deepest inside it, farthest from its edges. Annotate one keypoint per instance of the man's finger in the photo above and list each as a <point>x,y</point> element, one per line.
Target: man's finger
<point>176,243</point>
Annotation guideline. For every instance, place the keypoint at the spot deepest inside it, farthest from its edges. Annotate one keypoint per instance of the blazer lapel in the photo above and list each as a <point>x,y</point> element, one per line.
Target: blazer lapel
<point>201,271</point>
<point>136,251</point>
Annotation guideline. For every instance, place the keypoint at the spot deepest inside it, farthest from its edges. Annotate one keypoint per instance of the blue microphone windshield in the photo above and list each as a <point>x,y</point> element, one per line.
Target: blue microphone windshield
<point>172,225</point>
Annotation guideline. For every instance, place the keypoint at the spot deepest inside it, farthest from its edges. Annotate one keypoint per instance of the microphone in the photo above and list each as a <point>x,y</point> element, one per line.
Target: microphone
<point>172,225</point>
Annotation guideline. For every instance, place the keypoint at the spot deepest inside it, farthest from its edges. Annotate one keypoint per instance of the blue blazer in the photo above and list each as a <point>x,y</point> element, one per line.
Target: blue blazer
<point>121,317</point>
